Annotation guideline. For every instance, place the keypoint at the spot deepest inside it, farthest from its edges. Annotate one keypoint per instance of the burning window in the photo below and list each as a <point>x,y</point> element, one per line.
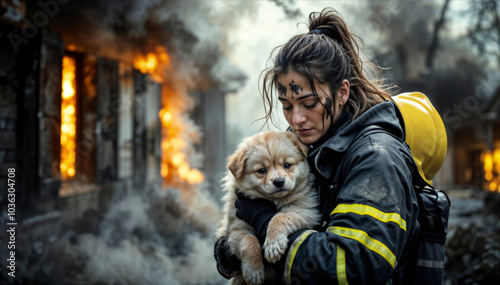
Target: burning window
<point>178,132</point>
<point>68,119</point>
<point>89,122</point>
<point>491,166</point>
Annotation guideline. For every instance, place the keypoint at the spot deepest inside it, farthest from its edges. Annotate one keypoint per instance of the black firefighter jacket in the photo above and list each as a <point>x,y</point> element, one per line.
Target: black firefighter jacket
<point>369,205</point>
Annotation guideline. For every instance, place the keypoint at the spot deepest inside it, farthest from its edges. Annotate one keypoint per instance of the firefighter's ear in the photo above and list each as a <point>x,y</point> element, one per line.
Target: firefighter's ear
<point>236,163</point>
<point>303,148</point>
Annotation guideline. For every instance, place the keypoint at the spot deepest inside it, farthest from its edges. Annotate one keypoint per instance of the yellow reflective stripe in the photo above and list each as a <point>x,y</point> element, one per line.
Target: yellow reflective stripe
<point>292,252</point>
<point>341,272</point>
<point>370,211</point>
<point>367,241</point>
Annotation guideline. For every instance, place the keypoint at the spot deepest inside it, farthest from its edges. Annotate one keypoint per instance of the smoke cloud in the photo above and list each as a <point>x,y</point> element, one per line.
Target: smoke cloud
<point>194,33</point>
<point>146,242</point>
<point>151,237</point>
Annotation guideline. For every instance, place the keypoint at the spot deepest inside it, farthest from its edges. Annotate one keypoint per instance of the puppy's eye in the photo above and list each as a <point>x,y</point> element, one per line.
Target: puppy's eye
<point>287,165</point>
<point>262,171</point>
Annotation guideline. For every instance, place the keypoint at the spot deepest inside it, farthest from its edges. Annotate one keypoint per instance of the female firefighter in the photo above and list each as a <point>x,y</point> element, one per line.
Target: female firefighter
<point>362,166</point>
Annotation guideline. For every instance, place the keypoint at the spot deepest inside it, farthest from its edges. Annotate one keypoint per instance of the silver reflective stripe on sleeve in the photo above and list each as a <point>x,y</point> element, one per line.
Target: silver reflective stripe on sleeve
<point>430,263</point>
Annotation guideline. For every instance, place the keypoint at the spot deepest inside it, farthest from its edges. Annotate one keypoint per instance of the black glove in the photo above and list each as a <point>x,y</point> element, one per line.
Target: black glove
<point>227,264</point>
<point>257,213</point>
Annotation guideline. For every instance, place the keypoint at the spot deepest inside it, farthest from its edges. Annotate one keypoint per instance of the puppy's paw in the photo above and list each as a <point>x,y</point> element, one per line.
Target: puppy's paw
<point>253,277</point>
<point>274,249</point>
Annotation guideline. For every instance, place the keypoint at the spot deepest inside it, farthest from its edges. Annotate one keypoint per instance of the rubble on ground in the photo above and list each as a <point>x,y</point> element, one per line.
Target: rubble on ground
<point>473,243</point>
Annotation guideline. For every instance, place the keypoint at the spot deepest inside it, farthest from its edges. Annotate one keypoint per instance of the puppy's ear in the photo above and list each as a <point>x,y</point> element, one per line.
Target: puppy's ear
<point>236,163</point>
<point>303,148</point>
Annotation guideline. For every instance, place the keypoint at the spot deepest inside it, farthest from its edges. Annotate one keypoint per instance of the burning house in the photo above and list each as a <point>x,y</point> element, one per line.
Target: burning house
<point>112,115</point>
<point>476,143</point>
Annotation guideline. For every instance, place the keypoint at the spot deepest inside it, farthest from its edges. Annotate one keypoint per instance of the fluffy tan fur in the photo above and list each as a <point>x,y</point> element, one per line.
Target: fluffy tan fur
<point>283,157</point>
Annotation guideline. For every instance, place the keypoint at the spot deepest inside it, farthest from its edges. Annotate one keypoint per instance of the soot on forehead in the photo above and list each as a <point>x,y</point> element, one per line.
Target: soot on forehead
<point>281,89</point>
<point>295,88</point>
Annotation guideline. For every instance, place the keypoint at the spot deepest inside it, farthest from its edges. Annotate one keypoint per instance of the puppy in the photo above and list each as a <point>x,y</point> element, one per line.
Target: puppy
<point>268,165</point>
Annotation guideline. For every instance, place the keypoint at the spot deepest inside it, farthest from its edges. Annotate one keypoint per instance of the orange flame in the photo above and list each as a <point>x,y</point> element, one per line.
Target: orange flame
<point>153,63</point>
<point>175,168</point>
<point>68,119</point>
<point>491,167</point>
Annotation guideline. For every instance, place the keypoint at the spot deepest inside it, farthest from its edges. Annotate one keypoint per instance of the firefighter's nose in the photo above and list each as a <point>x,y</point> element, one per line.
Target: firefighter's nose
<point>279,182</point>
<point>298,117</point>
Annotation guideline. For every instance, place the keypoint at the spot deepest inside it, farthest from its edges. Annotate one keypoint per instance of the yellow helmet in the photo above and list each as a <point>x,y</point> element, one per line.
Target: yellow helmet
<point>425,133</point>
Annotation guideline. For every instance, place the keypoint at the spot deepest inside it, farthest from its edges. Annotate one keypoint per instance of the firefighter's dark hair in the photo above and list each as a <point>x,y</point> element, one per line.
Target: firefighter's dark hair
<point>328,54</point>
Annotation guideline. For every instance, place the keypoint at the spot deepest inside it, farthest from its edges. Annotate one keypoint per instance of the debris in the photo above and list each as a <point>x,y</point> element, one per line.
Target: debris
<point>473,245</point>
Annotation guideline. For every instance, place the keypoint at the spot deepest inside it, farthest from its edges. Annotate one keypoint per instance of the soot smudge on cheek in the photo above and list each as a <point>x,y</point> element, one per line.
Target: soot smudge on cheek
<point>328,107</point>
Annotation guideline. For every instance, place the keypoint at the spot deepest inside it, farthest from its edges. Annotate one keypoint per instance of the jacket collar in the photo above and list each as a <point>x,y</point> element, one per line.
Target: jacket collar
<point>384,116</point>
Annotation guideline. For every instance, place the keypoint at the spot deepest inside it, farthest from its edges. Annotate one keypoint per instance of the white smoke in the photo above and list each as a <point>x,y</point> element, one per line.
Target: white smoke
<point>150,241</point>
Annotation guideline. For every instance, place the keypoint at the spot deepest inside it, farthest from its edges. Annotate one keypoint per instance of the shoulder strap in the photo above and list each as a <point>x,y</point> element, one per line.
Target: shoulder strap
<point>418,181</point>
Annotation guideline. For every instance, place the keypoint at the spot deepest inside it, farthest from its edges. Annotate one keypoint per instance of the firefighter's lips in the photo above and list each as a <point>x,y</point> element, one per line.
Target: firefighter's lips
<point>303,132</point>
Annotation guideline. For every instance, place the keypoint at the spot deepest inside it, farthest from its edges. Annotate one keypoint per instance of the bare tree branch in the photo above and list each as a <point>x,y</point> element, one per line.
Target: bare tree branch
<point>485,33</point>
<point>431,52</point>
<point>496,19</point>
<point>288,7</point>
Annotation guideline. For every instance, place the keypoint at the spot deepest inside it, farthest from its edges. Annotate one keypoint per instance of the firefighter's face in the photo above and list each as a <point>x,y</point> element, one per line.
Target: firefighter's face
<point>305,113</point>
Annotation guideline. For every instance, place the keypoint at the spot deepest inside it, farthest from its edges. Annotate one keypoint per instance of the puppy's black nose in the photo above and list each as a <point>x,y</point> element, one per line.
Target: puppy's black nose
<point>279,182</point>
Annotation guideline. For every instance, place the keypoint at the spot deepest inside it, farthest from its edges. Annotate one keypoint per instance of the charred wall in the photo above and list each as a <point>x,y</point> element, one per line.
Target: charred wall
<point>30,122</point>
<point>30,118</point>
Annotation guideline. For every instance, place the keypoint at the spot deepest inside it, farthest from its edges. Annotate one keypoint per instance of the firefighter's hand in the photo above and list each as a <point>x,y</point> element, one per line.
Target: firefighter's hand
<point>227,264</point>
<point>257,213</point>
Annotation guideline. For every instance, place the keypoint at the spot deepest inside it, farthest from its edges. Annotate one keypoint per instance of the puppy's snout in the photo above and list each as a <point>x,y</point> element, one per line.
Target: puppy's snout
<point>279,182</point>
